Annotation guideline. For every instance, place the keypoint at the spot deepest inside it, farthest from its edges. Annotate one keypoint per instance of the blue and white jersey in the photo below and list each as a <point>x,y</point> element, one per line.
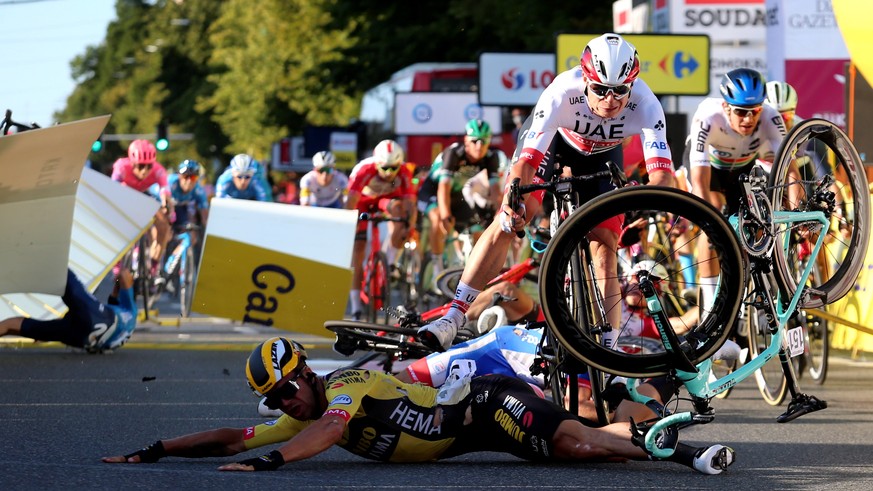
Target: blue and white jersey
<point>506,350</point>
<point>224,188</point>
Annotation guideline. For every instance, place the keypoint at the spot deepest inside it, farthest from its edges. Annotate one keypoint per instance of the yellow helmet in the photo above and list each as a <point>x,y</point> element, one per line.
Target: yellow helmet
<point>271,361</point>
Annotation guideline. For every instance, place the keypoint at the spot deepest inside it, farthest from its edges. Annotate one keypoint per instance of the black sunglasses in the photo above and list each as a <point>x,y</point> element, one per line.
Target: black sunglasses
<point>142,166</point>
<point>324,170</point>
<point>285,392</point>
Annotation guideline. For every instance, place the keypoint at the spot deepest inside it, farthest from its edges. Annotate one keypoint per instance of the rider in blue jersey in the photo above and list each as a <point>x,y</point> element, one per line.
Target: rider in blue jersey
<point>240,180</point>
<point>88,324</point>
<point>188,194</point>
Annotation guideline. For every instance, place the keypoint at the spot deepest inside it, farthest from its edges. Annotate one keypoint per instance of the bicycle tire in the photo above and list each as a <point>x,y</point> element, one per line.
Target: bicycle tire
<point>769,378</point>
<point>144,274</point>
<point>710,334</point>
<point>186,283</point>
<point>818,343</point>
<point>376,287</point>
<point>367,334</point>
<point>851,184</point>
<point>408,267</point>
<point>447,281</point>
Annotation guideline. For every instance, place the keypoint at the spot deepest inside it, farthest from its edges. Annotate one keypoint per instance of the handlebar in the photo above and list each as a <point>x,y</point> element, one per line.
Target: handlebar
<point>9,123</point>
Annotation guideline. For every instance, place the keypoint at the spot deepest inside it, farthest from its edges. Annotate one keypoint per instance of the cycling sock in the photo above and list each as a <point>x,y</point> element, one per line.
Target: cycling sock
<point>464,296</point>
<point>390,253</point>
<point>707,288</point>
<point>437,261</point>
<point>355,301</point>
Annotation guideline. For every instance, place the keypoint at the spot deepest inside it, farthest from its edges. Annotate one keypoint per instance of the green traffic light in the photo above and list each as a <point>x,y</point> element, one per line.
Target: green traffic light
<point>97,146</point>
<point>162,144</point>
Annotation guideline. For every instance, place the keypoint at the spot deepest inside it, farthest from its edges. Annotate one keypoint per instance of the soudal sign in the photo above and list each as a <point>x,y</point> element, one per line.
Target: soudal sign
<point>722,20</point>
<point>514,79</point>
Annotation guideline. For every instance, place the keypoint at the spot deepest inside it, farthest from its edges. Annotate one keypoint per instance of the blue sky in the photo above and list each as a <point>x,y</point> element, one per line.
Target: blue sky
<point>38,39</point>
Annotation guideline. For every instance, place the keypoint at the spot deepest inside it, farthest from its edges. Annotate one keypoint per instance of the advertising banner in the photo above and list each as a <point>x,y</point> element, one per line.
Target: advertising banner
<point>440,113</point>
<point>107,220</point>
<point>514,79</point>
<point>276,265</point>
<point>722,20</point>
<point>41,170</point>
<point>344,146</point>
<point>670,65</point>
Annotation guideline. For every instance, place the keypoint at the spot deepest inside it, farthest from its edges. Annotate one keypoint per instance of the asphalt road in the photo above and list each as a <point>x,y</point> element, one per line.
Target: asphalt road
<point>61,410</point>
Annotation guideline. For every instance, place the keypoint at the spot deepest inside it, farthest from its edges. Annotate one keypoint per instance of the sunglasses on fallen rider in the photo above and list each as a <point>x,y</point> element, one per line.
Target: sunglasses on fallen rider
<point>602,90</point>
<point>284,392</point>
<point>742,112</point>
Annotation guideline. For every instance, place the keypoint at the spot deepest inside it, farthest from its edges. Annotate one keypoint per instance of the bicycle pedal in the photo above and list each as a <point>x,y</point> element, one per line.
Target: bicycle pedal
<point>800,405</point>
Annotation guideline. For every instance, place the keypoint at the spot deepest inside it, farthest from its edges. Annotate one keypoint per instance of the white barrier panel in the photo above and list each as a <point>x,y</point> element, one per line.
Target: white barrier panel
<point>108,218</point>
<point>276,265</point>
<point>41,170</point>
<point>440,113</point>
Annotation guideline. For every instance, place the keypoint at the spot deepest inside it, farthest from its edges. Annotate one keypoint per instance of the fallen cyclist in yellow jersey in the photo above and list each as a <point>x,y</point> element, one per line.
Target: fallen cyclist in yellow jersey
<point>374,415</point>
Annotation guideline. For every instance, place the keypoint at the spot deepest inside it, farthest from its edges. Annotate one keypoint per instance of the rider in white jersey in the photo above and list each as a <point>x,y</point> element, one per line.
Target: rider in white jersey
<point>727,137</point>
<point>593,107</point>
<point>323,186</point>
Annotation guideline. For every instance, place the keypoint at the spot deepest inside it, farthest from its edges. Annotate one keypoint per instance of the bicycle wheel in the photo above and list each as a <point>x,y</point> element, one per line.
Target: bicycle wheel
<point>814,150</point>
<point>576,233</point>
<point>186,282</point>
<point>406,285</point>
<point>447,281</point>
<point>368,336</point>
<point>770,378</point>
<point>143,274</point>
<point>376,287</point>
<point>817,346</point>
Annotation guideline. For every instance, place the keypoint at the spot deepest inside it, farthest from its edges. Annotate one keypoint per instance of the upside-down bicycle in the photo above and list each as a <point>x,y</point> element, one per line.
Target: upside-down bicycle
<point>760,241</point>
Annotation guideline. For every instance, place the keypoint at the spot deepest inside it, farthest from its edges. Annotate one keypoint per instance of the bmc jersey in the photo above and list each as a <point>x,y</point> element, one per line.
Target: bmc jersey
<point>366,181</point>
<point>122,171</point>
<point>563,109</point>
<point>385,419</point>
<point>331,195</point>
<point>714,143</point>
<point>506,350</point>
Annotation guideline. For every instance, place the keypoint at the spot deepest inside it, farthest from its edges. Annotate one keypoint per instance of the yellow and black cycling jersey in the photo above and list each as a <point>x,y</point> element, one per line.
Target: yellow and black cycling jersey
<point>386,419</point>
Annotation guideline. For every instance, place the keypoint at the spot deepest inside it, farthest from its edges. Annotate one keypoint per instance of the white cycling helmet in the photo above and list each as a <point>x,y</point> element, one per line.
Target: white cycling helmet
<point>389,157</point>
<point>323,159</point>
<point>654,269</point>
<point>243,164</point>
<point>494,316</point>
<point>781,96</point>
<point>610,60</point>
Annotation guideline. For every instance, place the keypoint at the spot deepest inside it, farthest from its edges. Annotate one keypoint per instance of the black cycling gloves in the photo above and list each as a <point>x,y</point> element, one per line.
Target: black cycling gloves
<point>268,462</point>
<point>152,453</point>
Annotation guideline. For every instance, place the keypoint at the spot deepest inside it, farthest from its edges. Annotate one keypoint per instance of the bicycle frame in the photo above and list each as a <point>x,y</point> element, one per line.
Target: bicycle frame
<point>777,312</point>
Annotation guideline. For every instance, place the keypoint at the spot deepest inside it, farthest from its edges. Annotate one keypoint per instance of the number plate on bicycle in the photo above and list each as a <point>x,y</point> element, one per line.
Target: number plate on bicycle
<point>794,338</point>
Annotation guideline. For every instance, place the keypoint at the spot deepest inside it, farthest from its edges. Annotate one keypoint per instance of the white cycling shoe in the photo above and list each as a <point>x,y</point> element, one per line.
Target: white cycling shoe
<point>714,459</point>
<point>439,334</point>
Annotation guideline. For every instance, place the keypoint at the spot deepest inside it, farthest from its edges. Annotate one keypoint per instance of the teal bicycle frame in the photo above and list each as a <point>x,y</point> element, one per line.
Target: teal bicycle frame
<point>698,382</point>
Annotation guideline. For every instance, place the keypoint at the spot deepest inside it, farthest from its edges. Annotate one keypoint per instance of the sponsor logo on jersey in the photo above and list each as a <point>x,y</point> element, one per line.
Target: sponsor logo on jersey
<point>506,421</point>
<point>341,399</point>
<point>413,420</point>
<point>339,412</point>
<point>249,433</point>
<point>373,444</point>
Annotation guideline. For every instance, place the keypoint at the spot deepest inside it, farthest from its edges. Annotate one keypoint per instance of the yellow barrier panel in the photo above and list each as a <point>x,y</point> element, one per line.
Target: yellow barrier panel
<point>853,17</point>
<point>276,265</point>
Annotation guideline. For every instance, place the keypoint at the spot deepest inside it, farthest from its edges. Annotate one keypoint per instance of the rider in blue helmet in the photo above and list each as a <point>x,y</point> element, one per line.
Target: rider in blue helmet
<point>743,87</point>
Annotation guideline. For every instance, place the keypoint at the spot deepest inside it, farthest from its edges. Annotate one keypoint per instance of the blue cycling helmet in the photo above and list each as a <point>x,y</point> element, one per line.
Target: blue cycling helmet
<point>743,87</point>
<point>189,168</point>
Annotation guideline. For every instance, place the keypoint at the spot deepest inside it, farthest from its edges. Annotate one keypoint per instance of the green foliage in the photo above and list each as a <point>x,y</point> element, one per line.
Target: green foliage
<point>239,74</point>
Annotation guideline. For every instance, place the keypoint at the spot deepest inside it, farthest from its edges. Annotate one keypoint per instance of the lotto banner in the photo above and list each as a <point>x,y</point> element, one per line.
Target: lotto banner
<point>41,170</point>
<point>276,265</point>
<point>669,64</point>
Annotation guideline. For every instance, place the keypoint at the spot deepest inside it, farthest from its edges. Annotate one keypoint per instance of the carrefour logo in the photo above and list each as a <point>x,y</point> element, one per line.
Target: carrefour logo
<point>422,113</point>
<point>473,111</point>
<point>683,64</point>
<point>512,80</point>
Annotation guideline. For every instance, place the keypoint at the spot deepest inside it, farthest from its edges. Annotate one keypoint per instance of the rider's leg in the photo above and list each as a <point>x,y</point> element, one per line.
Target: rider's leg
<point>484,263</point>
<point>163,235</point>
<point>604,243</point>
